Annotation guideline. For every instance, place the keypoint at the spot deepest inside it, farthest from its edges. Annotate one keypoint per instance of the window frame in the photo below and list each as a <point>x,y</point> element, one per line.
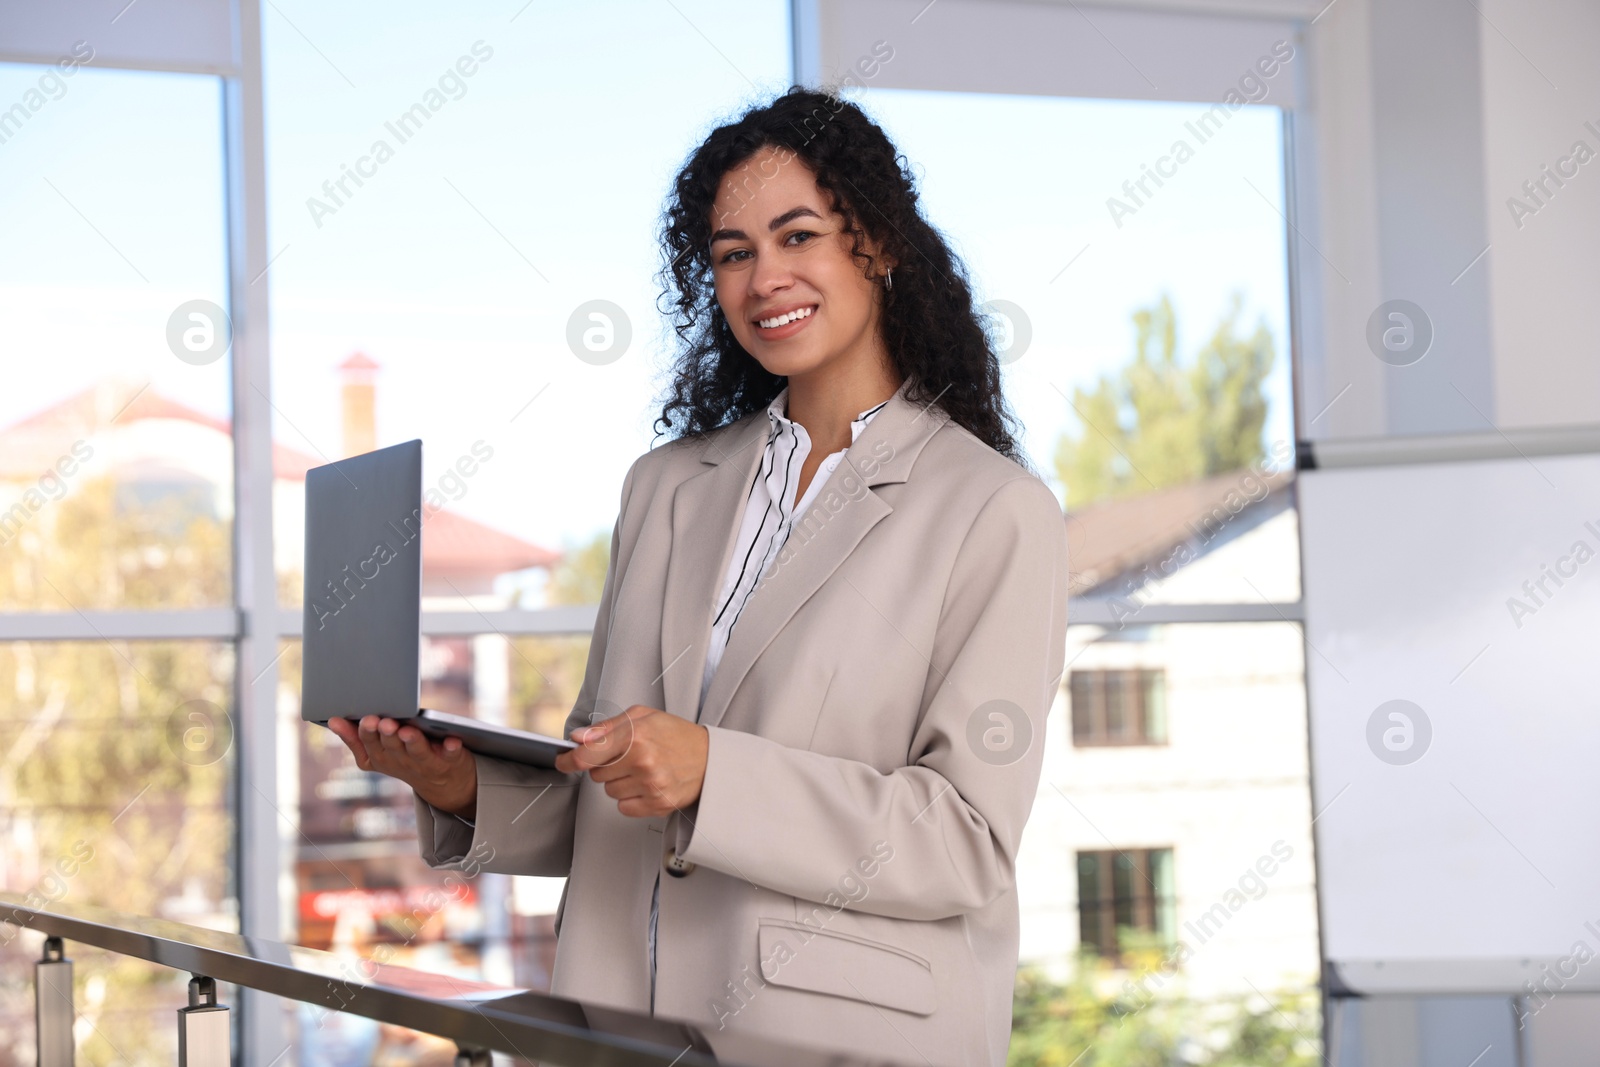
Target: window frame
<point>1095,714</point>
<point>256,623</point>
<point>1145,902</point>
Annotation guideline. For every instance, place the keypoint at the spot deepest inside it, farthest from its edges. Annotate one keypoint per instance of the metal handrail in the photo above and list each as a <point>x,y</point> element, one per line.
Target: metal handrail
<point>478,1016</point>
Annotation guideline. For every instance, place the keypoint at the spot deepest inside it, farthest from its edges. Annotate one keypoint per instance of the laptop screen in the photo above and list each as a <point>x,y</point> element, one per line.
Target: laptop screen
<point>363,586</point>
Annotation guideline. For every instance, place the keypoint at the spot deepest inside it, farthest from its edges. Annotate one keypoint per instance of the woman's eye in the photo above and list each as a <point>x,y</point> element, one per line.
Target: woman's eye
<point>801,233</point>
<point>729,257</point>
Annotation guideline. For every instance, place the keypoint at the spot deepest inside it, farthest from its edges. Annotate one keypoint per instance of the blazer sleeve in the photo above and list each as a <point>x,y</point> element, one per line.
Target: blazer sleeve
<point>800,822</point>
<point>525,815</point>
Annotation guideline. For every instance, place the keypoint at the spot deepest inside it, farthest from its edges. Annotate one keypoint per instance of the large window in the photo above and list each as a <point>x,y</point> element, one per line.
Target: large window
<point>114,777</point>
<point>488,287</point>
<point>453,237</point>
<point>116,482</point>
<point>1147,338</point>
<point>116,495</point>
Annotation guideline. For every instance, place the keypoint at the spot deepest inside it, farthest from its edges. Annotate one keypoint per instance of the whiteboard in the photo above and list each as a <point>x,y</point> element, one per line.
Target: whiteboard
<point>1467,860</point>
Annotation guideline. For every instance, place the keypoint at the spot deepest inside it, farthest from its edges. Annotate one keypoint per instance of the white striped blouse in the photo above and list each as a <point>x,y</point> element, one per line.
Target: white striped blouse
<point>768,517</point>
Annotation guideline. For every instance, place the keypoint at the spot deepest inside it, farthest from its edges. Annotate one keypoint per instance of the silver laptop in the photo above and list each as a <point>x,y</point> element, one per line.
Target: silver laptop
<point>363,605</point>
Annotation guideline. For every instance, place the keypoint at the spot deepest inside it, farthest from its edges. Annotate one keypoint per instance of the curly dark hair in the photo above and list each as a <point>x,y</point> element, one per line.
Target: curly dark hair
<point>934,335</point>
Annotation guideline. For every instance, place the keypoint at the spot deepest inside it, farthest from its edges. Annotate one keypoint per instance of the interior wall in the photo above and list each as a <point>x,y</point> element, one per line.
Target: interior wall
<point>1422,120</point>
<point>1026,47</point>
<point>1541,99</point>
<point>192,35</point>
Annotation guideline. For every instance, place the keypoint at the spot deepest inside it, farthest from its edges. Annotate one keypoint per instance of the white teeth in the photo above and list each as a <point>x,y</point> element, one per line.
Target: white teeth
<point>772,324</point>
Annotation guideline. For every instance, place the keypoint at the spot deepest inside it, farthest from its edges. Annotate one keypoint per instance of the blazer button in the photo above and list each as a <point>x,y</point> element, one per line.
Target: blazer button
<point>676,867</point>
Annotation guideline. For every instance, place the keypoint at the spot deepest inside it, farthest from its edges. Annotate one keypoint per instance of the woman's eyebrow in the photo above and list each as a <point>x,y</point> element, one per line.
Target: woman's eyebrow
<point>788,216</point>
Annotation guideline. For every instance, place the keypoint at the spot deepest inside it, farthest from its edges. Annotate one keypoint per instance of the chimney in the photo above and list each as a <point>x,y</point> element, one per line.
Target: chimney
<point>357,377</point>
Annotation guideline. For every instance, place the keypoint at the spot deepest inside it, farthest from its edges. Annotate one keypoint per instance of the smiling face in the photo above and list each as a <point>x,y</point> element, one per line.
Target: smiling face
<point>795,297</point>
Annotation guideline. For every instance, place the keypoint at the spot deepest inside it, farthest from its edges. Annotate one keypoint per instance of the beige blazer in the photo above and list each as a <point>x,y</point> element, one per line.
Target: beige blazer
<point>877,726</point>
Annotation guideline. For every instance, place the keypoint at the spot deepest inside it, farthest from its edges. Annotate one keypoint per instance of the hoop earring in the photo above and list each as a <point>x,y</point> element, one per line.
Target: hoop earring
<point>888,279</point>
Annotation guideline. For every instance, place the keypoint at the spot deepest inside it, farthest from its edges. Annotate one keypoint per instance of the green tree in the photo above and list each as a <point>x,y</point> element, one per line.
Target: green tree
<point>1078,1023</point>
<point>1159,422</point>
<point>115,756</point>
<point>580,577</point>
<point>547,672</point>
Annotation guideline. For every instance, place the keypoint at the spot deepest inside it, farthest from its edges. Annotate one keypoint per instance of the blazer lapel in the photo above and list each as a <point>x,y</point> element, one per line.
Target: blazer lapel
<point>704,521</point>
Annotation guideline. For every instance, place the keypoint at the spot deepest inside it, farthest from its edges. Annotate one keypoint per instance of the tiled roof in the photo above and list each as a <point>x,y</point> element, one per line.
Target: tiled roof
<point>30,447</point>
<point>454,544</point>
<point>1110,538</point>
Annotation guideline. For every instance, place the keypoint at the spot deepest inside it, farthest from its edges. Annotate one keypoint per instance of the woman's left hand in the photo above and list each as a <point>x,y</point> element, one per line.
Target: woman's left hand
<point>651,763</point>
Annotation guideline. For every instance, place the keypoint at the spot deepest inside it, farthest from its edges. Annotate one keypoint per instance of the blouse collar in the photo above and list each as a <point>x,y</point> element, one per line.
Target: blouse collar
<point>780,404</point>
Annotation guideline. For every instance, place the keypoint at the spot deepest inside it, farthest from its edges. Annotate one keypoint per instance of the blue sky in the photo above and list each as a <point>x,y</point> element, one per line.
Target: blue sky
<point>537,187</point>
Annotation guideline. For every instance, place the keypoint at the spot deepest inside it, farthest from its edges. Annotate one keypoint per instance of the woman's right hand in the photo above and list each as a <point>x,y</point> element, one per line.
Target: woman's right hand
<point>443,773</point>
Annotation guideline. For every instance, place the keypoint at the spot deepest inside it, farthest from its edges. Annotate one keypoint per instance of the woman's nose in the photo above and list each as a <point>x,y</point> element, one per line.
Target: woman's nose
<point>770,275</point>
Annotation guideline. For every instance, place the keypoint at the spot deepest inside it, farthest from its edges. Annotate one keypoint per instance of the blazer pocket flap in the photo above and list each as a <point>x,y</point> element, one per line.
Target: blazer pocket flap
<point>843,965</point>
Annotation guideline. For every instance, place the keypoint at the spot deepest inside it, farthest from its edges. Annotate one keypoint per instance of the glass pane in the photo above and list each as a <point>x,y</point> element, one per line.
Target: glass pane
<point>1161,877</point>
<point>361,886</point>
<point>435,297</point>
<point>1148,350</point>
<point>116,484</point>
<point>1155,706</point>
<point>1089,885</point>
<point>1118,718</point>
<point>115,782</point>
<point>1226,798</point>
<point>1081,685</point>
<point>1090,908</point>
<point>1125,874</point>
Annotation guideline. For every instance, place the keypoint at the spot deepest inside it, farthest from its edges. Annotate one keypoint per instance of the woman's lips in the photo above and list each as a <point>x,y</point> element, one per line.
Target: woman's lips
<point>788,329</point>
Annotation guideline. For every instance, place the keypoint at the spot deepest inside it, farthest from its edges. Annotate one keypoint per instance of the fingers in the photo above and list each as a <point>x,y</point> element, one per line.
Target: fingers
<point>417,746</point>
<point>394,748</point>
<point>443,772</point>
<point>625,788</point>
<point>608,742</point>
<point>634,756</point>
<point>367,731</point>
<point>643,808</point>
<point>347,732</point>
<point>606,727</point>
<point>615,771</point>
<point>389,737</point>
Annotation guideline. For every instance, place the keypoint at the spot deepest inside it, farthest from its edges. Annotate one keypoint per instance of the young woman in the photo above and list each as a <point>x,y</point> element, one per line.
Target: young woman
<point>832,625</point>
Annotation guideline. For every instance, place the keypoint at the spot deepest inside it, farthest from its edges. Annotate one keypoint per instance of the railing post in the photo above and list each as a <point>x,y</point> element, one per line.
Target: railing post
<point>471,1057</point>
<point>53,1014</point>
<point>204,1039</point>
